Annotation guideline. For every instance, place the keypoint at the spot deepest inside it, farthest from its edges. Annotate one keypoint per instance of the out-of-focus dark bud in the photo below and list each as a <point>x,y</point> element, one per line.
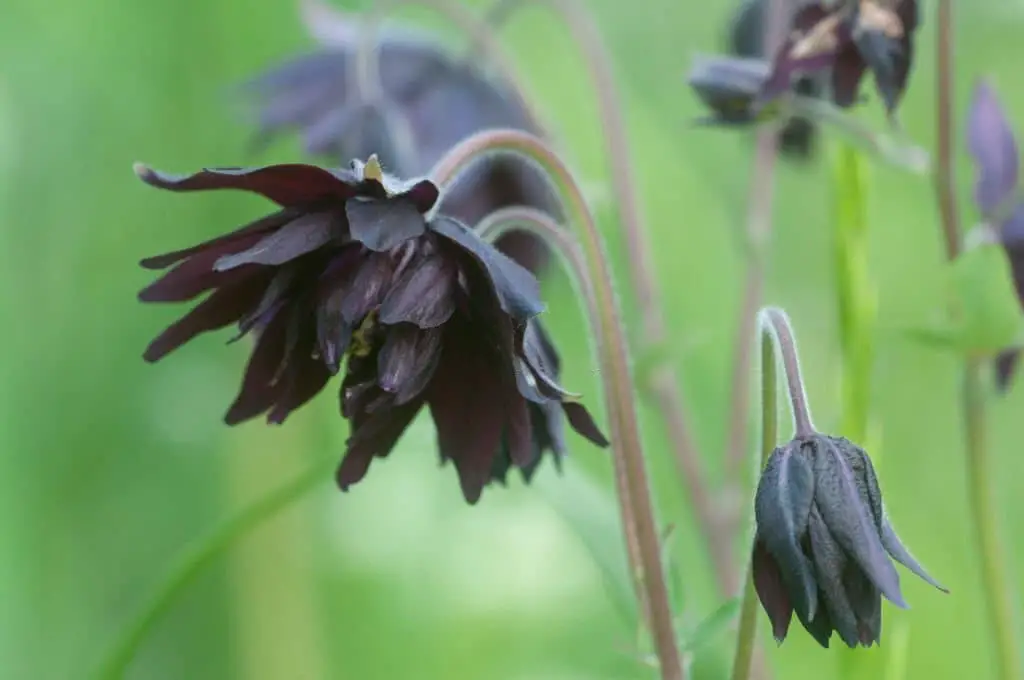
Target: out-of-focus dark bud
<point>846,40</point>
<point>746,39</point>
<point>993,146</point>
<point>728,86</point>
<point>428,101</point>
<point>824,546</point>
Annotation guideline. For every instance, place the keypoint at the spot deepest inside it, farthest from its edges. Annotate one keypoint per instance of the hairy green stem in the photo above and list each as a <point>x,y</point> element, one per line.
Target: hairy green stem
<point>996,580</point>
<point>746,640</point>
<point>615,371</point>
<point>196,558</point>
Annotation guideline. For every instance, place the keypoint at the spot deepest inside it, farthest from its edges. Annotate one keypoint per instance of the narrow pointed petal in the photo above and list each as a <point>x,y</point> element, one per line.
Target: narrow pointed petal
<point>866,602</point>
<point>195,275</point>
<point>375,437</point>
<point>300,236</point>
<point>820,627</point>
<point>240,239</point>
<point>408,360</point>
<point>517,289</point>
<point>848,519</point>
<point>222,308</point>
<point>303,375</point>
<point>518,437</point>
<point>782,506</point>
<point>991,142</point>
<point>894,546</point>
<point>424,294</point>
<point>829,564</point>
<point>581,421</point>
<point>380,225</point>
<point>259,390</point>
<point>334,335</point>
<point>274,297</point>
<point>863,476</point>
<point>771,590</point>
<point>288,185</point>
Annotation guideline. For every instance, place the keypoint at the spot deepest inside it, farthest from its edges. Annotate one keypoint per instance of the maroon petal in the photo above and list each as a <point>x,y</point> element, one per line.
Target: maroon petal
<point>423,295</point>
<point>408,360</point>
<point>304,375</point>
<point>581,421</point>
<point>300,236</point>
<point>374,438</point>
<point>423,194</point>
<point>196,275</point>
<point>771,590</point>
<point>847,73</point>
<point>228,243</point>
<point>368,287</point>
<point>785,66</point>
<point>288,185</point>
<point>519,437</point>
<point>465,402</point>
<point>274,297</point>
<point>259,388</point>
<point>380,225</point>
<point>223,307</point>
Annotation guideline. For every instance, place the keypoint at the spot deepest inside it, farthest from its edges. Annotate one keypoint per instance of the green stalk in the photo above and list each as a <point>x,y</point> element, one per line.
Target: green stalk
<point>747,637</point>
<point>198,557</point>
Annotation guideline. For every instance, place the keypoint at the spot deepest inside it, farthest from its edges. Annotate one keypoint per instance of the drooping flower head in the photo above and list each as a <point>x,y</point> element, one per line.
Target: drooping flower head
<point>846,39</point>
<point>746,39</point>
<point>993,146</point>
<point>824,543</point>
<point>426,101</point>
<point>356,271</point>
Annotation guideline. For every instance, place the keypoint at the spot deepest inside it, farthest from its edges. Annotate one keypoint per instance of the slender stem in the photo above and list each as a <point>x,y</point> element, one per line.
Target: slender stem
<point>542,225</point>
<point>774,321</point>
<point>662,380</point>
<point>197,557</point>
<point>996,581</point>
<point>747,638</point>
<point>759,226</point>
<point>615,372</point>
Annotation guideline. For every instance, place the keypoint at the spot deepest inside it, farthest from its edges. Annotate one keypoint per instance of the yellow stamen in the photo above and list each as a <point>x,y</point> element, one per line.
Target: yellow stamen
<point>361,345</point>
<point>372,169</point>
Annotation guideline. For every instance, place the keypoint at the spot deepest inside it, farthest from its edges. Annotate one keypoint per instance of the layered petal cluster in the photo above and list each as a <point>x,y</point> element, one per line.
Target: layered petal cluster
<point>824,546</point>
<point>354,273</point>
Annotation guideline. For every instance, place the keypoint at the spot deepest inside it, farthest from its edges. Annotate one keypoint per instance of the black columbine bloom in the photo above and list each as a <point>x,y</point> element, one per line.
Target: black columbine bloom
<point>746,39</point>
<point>845,41</point>
<point>428,101</point>
<point>356,272</point>
<point>824,543</point>
<point>993,145</point>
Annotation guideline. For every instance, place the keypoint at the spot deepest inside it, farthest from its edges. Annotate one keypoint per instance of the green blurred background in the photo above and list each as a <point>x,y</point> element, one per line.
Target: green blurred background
<point>110,467</point>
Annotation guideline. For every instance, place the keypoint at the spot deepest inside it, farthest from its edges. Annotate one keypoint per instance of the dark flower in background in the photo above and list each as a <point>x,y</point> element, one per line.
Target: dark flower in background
<point>993,145</point>
<point>823,543</point>
<point>353,271</point>
<point>746,39</point>
<point>846,41</point>
<point>429,100</point>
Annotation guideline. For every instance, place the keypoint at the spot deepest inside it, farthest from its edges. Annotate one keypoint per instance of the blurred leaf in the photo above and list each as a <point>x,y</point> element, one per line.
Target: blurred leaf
<point>984,304</point>
<point>592,513</point>
<point>711,628</point>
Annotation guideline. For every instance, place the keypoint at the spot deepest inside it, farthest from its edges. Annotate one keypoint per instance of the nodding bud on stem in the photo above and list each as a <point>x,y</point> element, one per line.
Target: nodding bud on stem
<point>823,547</point>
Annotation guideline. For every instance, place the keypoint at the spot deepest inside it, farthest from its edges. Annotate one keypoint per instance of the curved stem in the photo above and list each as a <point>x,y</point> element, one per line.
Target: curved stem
<point>774,322</point>
<point>615,372</point>
<point>996,581</point>
<point>197,557</point>
<point>747,638</point>
<point>540,224</point>
<point>662,380</point>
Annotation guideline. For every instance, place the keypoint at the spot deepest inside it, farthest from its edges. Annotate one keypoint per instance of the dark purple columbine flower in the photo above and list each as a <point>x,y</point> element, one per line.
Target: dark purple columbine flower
<point>746,39</point>
<point>824,543</point>
<point>991,142</point>
<point>429,100</point>
<point>353,271</point>
<point>845,41</point>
